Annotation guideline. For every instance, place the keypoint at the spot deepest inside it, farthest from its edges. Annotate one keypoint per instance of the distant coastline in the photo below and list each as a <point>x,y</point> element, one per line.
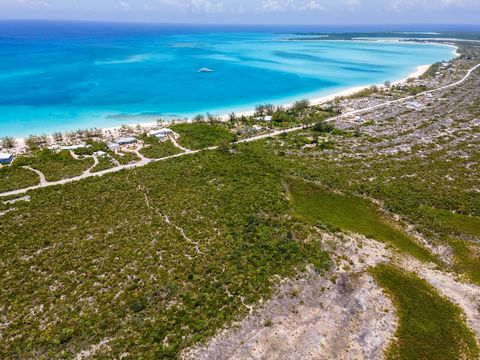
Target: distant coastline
<point>316,97</point>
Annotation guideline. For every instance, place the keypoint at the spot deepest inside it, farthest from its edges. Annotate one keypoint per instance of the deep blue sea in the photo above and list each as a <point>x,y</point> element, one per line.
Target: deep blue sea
<point>64,76</point>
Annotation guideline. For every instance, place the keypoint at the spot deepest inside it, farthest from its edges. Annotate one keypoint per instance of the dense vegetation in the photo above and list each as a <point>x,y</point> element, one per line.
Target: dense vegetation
<point>12,178</point>
<point>124,273</point>
<point>441,211</point>
<point>430,326</point>
<point>201,135</point>
<point>91,148</point>
<point>55,165</point>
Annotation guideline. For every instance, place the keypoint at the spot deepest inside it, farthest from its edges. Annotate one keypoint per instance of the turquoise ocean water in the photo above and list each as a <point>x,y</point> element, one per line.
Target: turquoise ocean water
<point>65,76</point>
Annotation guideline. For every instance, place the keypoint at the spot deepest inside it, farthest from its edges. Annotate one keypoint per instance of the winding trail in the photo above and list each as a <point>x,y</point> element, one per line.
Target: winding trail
<point>177,145</point>
<point>95,163</point>
<point>168,221</point>
<point>144,161</point>
<point>43,180</point>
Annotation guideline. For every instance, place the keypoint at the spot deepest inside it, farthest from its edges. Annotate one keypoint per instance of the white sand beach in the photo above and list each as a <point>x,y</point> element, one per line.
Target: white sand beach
<point>313,100</point>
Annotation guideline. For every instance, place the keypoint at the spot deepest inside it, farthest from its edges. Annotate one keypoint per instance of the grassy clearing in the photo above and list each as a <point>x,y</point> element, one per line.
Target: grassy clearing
<point>430,326</point>
<point>199,136</point>
<point>320,207</point>
<point>55,166</point>
<point>12,178</point>
<point>160,150</point>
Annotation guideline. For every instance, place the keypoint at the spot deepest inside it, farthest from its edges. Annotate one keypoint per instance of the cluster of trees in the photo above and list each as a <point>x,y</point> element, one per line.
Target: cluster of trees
<point>35,142</point>
<point>323,127</point>
<point>208,118</point>
<point>12,178</point>
<point>7,142</point>
<point>156,149</point>
<point>272,110</point>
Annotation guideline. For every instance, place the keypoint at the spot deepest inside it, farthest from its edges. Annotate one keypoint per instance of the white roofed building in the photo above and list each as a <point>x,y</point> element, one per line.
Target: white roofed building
<point>126,140</point>
<point>161,133</point>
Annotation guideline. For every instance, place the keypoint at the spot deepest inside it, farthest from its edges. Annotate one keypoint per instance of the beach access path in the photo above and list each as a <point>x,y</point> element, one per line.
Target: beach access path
<point>144,161</point>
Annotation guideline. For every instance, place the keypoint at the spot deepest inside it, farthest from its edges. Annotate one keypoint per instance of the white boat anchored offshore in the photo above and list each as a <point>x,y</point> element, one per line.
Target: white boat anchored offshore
<point>205,70</point>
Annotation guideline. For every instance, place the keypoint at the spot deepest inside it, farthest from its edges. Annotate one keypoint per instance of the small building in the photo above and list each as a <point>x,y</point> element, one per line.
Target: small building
<point>268,118</point>
<point>126,140</point>
<point>113,146</point>
<point>100,153</point>
<point>6,158</point>
<point>161,133</point>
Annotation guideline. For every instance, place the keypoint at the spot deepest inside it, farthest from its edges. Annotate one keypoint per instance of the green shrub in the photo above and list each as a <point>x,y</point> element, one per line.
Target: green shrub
<point>323,127</point>
<point>13,178</point>
<point>430,326</point>
<point>160,150</point>
<point>201,135</point>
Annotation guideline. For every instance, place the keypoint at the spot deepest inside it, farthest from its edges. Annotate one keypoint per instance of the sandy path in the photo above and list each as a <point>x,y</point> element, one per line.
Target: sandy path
<point>177,145</point>
<point>43,181</point>
<point>95,163</point>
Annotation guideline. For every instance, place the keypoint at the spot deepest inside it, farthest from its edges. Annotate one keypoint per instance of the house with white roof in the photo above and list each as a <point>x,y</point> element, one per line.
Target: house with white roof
<point>126,140</point>
<point>161,133</point>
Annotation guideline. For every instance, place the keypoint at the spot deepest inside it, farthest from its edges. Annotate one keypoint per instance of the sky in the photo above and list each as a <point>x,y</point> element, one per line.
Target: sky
<point>250,11</point>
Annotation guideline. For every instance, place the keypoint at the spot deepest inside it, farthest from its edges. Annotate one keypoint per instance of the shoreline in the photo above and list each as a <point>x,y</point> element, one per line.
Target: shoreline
<point>420,70</point>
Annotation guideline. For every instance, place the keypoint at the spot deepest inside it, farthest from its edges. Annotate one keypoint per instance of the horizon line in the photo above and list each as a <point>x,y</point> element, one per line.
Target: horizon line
<point>152,22</point>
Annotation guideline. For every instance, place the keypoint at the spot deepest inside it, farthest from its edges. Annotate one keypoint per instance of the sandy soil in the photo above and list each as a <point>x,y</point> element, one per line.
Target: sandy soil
<point>342,314</point>
<point>465,295</point>
<point>339,315</point>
